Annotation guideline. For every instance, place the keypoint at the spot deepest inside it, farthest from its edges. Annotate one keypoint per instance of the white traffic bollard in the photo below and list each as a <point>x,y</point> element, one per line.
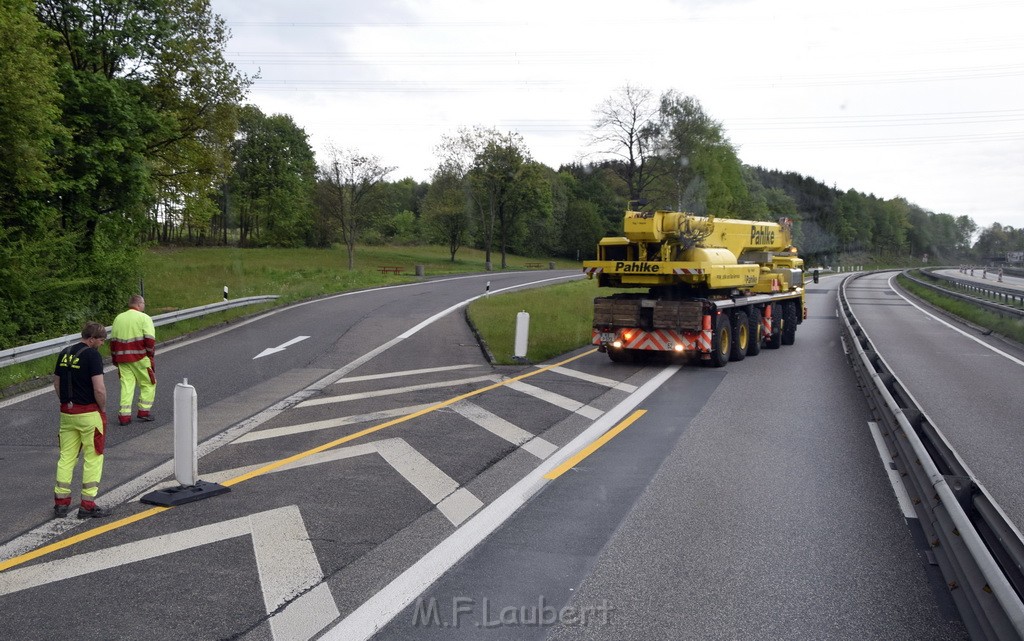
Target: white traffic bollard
<point>487,290</point>
<point>522,334</point>
<point>186,455</point>
<point>186,433</point>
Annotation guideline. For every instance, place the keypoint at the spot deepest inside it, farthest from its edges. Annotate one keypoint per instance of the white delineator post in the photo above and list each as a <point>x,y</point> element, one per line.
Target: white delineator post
<point>522,334</point>
<point>186,455</point>
<point>186,434</point>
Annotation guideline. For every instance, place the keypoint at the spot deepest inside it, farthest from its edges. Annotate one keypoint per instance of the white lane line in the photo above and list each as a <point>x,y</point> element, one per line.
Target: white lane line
<point>457,504</point>
<point>557,400</point>
<point>415,468</point>
<point>411,372</point>
<point>503,429</point>
<point>955,329</point>
<point>288,566</point>
<point>285,559</point>
<point>300,428</point>
<point>388,602</point>
<point>396,390</point>
<point>41,535</point>
<point>906,506</point>
<point>593,378</point>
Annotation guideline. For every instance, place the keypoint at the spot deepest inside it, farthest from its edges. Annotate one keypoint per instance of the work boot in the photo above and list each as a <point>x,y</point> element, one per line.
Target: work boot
<point>95,513</point>
<point>144,416</point>
<point>60,511</point>
<point>124,420</point>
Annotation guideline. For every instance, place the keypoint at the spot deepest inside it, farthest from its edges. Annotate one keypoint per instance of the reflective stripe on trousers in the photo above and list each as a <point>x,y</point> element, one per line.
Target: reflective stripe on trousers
<point>141,373</point>
<point>80,433</point>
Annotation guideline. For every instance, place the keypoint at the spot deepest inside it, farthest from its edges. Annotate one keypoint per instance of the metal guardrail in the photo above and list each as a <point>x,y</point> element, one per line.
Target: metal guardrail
<point>979,551</point>
<point>1007,295</point>
<point>54,345</point>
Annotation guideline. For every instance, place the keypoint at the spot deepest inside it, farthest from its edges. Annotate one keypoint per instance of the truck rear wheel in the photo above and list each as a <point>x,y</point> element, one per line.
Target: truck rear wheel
<point>740,337</point>
<point>774,340</point>
<point>721,342</point>
<point>756,333</point>
<point>790,319</point>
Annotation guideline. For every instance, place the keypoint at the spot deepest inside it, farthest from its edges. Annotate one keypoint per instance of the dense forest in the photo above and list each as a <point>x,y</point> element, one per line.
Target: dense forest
<point>123,126</point>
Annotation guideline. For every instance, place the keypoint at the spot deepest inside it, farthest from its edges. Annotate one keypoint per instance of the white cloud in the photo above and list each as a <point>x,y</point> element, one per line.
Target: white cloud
<point>908,98</point>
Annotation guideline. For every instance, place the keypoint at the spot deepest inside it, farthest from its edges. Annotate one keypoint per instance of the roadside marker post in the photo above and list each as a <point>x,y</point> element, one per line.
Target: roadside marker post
<point>522,334</point>
<point>186,462</point>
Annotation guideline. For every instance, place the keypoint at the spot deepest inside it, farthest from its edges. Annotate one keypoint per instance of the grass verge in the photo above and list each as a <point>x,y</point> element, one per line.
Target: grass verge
<point>1008,327</point>
<point>560,320</point>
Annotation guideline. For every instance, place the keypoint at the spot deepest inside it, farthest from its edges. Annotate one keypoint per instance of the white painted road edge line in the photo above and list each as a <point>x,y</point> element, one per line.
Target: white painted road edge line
<point>906,506</point>
<point>379,609</point>
<point>955,329</point>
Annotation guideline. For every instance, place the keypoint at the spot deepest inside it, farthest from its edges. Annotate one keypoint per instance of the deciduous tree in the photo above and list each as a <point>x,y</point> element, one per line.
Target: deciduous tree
<point>445,210</point>
<point>272,180</point>
<point>626,129</point>
<point>351,180</point>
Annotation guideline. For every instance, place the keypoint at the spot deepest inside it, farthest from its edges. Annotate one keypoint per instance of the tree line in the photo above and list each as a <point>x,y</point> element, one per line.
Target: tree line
<point>123,125</point>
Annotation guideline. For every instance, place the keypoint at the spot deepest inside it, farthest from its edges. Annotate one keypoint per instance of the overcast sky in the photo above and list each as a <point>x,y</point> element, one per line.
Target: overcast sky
<point>923,100</point>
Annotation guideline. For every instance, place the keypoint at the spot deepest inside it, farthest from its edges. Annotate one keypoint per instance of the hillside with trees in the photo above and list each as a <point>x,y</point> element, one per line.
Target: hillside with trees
<point>123,127</point>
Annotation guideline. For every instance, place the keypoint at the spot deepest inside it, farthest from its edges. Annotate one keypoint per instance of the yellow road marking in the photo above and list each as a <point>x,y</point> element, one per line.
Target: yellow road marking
<point>593,447</point>
<point>84,536</point>
<point>78,538</point>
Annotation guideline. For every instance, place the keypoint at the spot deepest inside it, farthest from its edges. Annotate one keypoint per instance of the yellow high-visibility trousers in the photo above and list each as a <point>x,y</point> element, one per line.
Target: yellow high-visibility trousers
<point>80,433</point>
<point>138,373</point>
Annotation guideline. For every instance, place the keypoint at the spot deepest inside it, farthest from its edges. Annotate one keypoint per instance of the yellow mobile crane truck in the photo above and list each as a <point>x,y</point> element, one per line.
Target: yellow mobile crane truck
<point>718,289</point>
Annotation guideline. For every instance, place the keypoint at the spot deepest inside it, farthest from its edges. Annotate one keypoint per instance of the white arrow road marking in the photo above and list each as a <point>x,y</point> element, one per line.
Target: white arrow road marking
<point>285,559</point>
<point>457,504</point>
<point>280,348</point>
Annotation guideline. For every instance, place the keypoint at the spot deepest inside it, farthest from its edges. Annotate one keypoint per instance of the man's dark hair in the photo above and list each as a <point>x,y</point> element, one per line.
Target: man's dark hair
<point>92,329</point>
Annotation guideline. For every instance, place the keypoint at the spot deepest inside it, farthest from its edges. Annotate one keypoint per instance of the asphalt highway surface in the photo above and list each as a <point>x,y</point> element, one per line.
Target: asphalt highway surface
<point>387,482</point>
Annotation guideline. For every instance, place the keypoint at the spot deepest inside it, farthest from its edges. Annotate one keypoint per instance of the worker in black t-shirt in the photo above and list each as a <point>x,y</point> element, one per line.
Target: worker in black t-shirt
<point>78,381</point>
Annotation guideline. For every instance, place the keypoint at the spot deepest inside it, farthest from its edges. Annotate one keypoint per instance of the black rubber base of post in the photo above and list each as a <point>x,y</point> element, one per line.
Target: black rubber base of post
<point>184,494</point>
